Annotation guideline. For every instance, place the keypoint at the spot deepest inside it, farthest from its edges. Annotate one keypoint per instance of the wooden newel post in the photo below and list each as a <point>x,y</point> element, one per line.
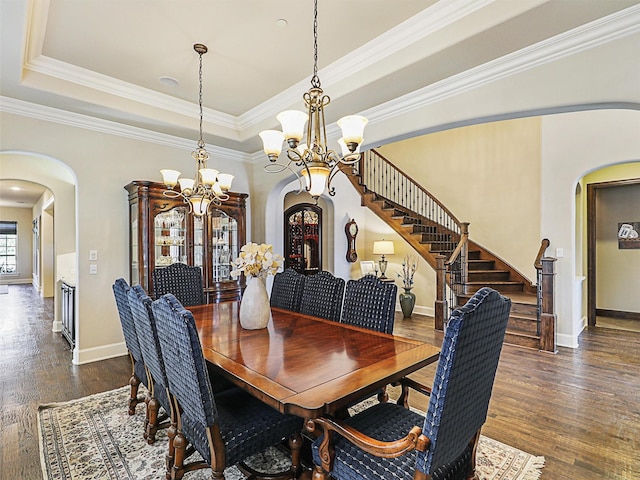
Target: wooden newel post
<point>547,315</point>
<point>441,285</point>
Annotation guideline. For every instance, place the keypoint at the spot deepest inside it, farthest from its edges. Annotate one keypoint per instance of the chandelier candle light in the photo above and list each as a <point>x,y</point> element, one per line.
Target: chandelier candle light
<point>209,186</point>
<point>319,163</point>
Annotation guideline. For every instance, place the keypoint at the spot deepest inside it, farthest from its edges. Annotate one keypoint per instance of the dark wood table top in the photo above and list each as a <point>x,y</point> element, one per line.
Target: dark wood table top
<point>305,365</point>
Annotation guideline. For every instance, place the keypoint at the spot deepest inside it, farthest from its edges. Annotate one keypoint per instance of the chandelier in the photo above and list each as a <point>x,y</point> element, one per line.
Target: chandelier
<point>318,163</point>
<point>209,186</point>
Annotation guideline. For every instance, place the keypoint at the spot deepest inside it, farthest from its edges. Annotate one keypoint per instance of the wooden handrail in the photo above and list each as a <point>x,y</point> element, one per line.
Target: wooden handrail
<point>543,247</point>
<point>464,237</point>
<point>414,185</point>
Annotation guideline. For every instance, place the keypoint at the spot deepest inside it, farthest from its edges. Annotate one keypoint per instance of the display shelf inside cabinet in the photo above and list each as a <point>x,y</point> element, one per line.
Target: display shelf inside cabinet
<point>163,232</point>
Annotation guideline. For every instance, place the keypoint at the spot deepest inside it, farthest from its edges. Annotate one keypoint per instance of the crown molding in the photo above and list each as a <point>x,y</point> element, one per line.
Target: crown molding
<point>599,32</point>
<point>421,25</point>
<point>586,37</point>
<point>52,67</point>
<point>63,117</point>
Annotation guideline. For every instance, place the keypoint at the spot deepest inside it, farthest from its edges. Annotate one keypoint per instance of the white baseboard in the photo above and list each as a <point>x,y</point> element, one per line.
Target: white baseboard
<point>564,340</point>
<point>57,326</point>
<point>16,281</point>
<point>96,354</point>
<point>419,309</point>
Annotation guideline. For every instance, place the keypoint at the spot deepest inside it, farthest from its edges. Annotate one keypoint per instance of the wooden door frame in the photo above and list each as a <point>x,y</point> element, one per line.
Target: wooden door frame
<point>592,191</point>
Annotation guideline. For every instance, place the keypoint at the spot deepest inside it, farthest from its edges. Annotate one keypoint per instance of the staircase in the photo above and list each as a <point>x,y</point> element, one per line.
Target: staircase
<point>432,230</point>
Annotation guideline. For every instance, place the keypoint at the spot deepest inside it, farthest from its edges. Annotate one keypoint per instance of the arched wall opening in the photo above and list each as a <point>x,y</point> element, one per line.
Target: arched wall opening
<point>61,181</point>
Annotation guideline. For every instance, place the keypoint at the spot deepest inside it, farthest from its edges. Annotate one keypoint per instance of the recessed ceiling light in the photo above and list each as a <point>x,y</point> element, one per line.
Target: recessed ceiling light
<point>169,81</point>
<point>15,188</point>
<point>281,22</point>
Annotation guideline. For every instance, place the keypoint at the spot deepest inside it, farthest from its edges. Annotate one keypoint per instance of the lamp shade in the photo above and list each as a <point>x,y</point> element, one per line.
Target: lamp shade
<point>225,180</point>
<point>318,180</point>
<point>352,128</point>
<point>293,122</point>
<point>170,177</point>
<point>208,175</point>
<point>199,205</point>
<point>383,247</point>
<point>186,184</point>
<point>272,142</point>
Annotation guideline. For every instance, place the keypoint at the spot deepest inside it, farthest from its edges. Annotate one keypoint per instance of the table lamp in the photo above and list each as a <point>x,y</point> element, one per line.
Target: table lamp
<point>383,247</point>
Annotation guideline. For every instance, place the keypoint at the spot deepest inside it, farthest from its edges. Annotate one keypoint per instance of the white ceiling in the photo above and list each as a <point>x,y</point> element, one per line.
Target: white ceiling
<point>104,58</point>
<point>19,194</point>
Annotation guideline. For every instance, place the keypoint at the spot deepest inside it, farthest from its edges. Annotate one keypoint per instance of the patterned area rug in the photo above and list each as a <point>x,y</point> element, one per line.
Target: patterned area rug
<point>94,438</point>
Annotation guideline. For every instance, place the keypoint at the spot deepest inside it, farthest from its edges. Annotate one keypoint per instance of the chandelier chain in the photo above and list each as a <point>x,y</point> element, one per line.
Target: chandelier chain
<point>315,80</point>
<point>200,142</point>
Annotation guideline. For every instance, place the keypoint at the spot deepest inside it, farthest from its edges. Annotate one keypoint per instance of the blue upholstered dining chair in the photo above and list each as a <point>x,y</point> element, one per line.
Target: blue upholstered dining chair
<point>224,428</point>
<point>322,296</point>
<point>286,291</point>
<point>370,303</point>
<point>138,372</point>
<point>183,281</point>
<point>144,322</point>
<point>445,447</point>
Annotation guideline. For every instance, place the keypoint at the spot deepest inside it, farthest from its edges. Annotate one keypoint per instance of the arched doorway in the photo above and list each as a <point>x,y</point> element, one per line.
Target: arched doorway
<point>57,218</point>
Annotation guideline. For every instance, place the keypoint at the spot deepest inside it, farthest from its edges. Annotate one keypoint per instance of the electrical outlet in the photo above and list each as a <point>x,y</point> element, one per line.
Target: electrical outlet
<point>559,252</point>
<point>93,255</point>
<point>93,269</point>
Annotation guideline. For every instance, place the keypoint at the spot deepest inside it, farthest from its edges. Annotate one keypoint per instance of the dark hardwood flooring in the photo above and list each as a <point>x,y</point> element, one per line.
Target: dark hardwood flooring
<point>579,408</point>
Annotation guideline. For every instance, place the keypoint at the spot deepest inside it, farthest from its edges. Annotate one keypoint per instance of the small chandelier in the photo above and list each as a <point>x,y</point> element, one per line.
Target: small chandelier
<point>319,163</point>
<point>209,186</point>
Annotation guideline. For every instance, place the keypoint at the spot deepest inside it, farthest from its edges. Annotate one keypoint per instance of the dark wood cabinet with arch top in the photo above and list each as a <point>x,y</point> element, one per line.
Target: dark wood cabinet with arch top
<point>303,238</point>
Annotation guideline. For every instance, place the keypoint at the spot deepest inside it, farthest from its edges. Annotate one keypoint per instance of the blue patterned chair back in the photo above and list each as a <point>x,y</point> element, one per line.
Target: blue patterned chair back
<point>464,377</point>
<point>186,370</point>
<point>149,342</point>
<point>370,303</point>
<point>286,291</point>
<point>183,281</point>
<point>322,296</point>
<point>120,290</point>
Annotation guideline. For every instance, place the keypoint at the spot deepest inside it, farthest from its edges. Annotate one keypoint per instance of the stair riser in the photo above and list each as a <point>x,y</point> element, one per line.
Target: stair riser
<point>481,265</point>
<point>523,309</point>
<point>488,276</point>
<point>523,325</point>
<point>516,288</point>
<point>522,341</point>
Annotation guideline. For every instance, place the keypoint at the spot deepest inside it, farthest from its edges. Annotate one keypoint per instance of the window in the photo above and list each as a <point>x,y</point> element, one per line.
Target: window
<point>8,248</point>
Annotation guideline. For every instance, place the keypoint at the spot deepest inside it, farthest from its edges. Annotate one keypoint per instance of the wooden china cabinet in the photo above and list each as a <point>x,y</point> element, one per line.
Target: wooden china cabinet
<point>162,231</point>
<point>303,238</point>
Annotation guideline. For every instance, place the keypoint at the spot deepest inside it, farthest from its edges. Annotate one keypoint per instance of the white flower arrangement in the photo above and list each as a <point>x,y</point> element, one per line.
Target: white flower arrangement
<point>409,266</point>
<point>257,261</point>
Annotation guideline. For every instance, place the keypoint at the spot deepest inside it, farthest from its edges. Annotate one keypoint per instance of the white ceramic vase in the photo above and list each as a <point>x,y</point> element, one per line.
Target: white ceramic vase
<point>255,310</point>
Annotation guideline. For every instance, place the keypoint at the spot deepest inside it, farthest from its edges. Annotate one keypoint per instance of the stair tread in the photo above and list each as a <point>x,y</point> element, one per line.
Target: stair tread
<point>493,270</point>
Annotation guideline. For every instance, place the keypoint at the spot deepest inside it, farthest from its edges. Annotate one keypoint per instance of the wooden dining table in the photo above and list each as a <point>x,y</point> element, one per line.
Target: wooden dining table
<point>305,365</point>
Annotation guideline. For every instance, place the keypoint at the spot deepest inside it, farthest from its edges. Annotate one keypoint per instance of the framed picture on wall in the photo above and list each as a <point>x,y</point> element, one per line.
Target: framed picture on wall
<point>629,235</point>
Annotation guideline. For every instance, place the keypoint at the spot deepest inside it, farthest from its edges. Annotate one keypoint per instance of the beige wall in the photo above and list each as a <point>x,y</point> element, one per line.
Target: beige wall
<point>488,175</point>
<point>100,164</point>
<point>25,247</point>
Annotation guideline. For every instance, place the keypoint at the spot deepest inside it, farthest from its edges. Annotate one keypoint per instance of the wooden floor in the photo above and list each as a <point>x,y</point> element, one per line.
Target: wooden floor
<point>579,408</point>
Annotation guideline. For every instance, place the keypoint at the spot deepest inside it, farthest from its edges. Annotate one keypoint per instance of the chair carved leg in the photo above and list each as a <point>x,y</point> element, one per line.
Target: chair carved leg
<point>383,396</point>
<point>180,447</point>
<point>171,453</point>
<point>152,424</point>
<point>319,474</point>
<point>134,382</point>
<point>295,445</point>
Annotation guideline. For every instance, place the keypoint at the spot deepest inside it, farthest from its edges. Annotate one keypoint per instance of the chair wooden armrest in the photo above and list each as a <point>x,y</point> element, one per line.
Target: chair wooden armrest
<point>406,384</point>
<point>413,440</point>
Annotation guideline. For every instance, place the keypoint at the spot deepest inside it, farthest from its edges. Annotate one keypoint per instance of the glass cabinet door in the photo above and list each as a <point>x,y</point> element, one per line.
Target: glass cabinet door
<point>198,241</point>
<point>169,237</point>
<point>224,245</point>
<point>303,247</point>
